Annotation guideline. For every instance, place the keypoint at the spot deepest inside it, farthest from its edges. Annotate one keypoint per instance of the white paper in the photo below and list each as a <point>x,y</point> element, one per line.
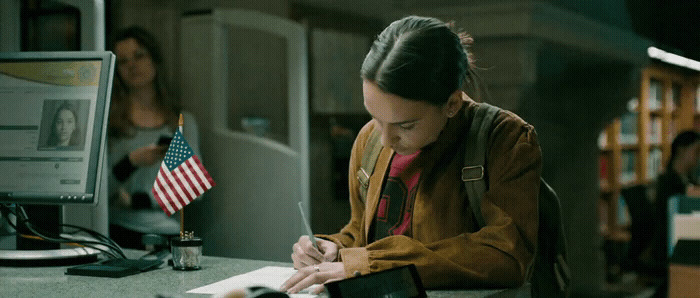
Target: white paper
<point>271,276</point>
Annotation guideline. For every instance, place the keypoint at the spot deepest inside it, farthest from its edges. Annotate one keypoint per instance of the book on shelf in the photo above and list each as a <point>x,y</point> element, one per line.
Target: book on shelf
<point>655,95</point>
<point>628,128</point>
<point>628,177</point>
<point>654,163</point>
<point>604,165</point>
<point>675,97</point>
<point>654,130</point>
<point>627,170</point>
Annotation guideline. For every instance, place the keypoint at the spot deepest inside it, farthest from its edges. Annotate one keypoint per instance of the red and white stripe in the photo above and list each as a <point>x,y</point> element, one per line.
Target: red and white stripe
<point>175,189</point>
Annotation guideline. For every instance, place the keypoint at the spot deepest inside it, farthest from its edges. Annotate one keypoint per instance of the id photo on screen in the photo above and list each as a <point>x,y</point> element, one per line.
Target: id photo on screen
<point>63,124</point>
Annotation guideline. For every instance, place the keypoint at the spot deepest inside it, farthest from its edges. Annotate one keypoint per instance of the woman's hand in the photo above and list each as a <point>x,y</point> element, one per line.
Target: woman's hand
<point>305,254</point>
<point>147,155</point>
<point>314,274</point>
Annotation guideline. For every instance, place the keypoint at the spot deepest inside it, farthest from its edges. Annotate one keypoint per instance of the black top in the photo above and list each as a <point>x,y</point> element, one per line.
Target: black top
<point>668,184</point>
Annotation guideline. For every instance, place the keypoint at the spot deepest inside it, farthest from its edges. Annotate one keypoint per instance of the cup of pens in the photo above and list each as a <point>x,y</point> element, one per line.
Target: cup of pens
<point>186,251</point>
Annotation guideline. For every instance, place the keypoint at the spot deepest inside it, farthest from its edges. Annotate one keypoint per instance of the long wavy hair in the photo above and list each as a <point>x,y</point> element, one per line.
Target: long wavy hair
<point>120,124</point>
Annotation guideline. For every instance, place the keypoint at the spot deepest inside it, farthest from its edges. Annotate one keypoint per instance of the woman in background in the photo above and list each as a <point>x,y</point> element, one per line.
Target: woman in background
<point>64,127</point>
<point>416,78</point>
<point>143,110</point>
<point>676,179</point>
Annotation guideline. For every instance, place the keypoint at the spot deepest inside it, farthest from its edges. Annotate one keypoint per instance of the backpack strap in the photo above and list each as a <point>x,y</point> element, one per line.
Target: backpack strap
<point>369,160</point>
<point>474,171</point>
<point>550,212</point>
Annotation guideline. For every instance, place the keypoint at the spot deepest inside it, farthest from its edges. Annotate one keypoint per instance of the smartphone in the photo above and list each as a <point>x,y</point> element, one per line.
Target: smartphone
<point>164,140</point>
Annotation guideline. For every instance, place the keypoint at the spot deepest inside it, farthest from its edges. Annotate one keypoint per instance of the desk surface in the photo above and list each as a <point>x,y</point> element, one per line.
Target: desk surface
<point>163,282</point>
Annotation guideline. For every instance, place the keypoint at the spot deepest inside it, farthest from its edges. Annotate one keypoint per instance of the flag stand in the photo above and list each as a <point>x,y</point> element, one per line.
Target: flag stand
<point>180,123</point>
<point>181,179</point>
<point>182,222</point>
<point>187,249</point>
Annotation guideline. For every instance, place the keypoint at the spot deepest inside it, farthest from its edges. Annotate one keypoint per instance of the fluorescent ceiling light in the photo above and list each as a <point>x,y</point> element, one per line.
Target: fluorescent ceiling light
<point>674,59</point>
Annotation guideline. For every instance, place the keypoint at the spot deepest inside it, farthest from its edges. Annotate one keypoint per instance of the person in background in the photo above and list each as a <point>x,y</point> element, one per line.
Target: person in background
<point>143,110</point>
<point>64,127</point>
<point>416,77</point>
<point>675,179</point>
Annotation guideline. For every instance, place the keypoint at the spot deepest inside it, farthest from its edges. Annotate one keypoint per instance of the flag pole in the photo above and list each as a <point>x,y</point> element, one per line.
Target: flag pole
<point>180,123</point>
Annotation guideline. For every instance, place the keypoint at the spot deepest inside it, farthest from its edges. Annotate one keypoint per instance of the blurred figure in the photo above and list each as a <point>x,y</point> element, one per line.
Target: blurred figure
<point>143,112</point>
<point>676,179</point>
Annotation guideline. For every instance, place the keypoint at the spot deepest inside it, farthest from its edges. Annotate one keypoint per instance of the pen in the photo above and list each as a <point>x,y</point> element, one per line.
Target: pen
<point>308,227</point>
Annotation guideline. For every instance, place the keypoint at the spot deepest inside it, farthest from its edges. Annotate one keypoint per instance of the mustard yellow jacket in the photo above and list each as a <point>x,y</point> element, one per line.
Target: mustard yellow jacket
<point>446,245</point>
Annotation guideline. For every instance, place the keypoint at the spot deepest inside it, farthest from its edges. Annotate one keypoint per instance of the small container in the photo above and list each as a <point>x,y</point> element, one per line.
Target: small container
<point>187,252</point>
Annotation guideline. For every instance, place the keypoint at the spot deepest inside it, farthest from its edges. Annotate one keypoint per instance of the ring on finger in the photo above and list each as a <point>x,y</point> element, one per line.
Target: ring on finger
<point>317,269</point>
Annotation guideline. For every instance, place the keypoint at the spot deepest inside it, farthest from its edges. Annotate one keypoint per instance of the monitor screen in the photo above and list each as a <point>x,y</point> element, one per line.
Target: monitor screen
<point>53,122</point>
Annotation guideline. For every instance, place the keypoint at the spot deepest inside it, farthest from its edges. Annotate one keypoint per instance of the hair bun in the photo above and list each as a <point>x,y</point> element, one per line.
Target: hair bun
<point>465,39</point>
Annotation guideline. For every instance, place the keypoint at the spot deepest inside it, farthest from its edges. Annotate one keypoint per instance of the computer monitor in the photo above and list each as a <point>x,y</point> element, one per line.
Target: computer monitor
<point>54,108</point>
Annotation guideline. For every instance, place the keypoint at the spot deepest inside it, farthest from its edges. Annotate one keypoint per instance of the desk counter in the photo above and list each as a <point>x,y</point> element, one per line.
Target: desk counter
<point>163,282</point>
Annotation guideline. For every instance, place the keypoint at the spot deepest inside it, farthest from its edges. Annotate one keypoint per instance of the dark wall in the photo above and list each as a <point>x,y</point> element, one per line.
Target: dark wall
<point>674,24</point>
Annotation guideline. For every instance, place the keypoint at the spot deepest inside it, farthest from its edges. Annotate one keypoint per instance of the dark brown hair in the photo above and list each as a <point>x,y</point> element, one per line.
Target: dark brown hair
<point>682,140</point>
<point>421,58</point>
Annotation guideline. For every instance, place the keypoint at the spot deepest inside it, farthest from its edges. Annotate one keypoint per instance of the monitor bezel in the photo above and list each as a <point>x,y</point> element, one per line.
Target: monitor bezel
<point>96,162</point>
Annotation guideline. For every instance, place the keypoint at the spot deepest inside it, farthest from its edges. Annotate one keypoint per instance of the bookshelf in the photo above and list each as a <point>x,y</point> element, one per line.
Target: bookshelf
<point>635,146</point>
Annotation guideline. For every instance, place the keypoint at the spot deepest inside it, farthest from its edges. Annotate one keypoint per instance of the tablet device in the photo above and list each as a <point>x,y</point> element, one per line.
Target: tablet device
<point>114,267</point>
<point>396,282</point>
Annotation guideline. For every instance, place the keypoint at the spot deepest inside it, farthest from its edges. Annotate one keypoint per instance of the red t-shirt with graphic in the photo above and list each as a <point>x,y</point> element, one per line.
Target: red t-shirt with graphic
<point>395,209</point>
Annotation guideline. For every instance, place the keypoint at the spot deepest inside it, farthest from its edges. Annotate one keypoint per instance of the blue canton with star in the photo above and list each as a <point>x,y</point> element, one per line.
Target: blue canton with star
<point>178,152</point>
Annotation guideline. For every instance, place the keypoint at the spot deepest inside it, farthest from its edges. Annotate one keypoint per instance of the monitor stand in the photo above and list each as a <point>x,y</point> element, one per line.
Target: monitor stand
<point>32,253</point>
<point>49,257</point>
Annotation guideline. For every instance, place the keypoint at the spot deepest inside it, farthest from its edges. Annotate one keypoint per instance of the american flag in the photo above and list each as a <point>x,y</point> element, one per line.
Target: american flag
<point>181,178</point>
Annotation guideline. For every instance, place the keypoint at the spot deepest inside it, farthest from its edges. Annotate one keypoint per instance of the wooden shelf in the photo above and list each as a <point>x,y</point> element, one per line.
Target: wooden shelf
<point>657,122</point>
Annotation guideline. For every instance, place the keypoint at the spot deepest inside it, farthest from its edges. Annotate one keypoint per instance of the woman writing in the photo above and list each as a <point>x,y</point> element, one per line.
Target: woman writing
<point>416,210</point>
<point>143,110</point>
